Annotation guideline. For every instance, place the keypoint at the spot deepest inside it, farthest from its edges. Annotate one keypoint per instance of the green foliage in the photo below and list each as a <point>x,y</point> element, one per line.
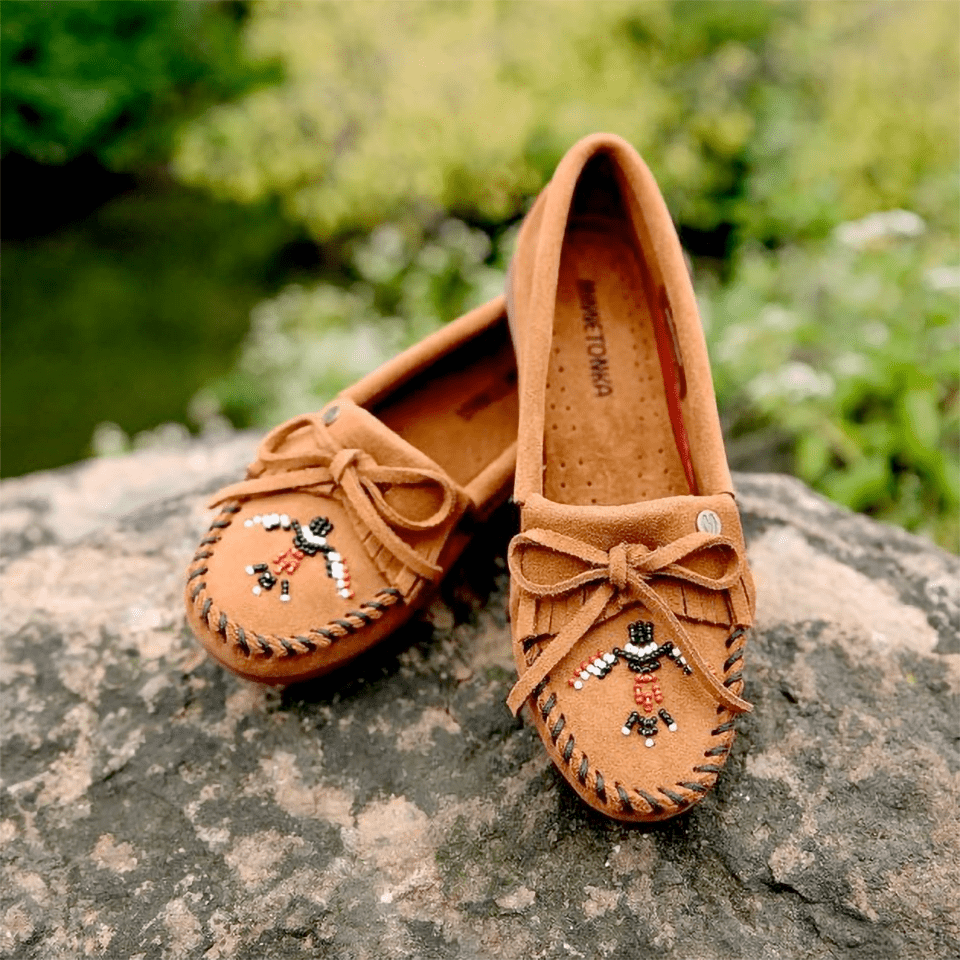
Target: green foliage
<point>850,349</point>
<point>777,120</point>
<point>390,109</point>
<point>392,131</point>
<point>309,342</point>
<point>858,113</point>
<point>112,79</point>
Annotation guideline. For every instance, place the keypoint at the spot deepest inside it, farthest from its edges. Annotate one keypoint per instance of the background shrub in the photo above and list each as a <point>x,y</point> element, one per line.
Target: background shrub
<point>808,152</point>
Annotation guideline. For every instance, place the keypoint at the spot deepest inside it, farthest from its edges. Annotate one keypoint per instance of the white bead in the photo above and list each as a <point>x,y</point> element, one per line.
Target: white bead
<point>592,669</point>
<point>248,523</point>
<point>256,591</point>
<point>577,684</point>
<point>336,570</point>
<point>322,541</point>
<point>599,662</point>
<point>584,675</point>
<point>284,597</point>
<point>609,658</point>
<point>676,651</point>
<point>625,731</point>
<point>249,570</point>
<point>672,728</point>
<point>631,648</point>
<point>257,519</point>
<point>334,557</point>
<point>649,741</point>
<point>344,593</point>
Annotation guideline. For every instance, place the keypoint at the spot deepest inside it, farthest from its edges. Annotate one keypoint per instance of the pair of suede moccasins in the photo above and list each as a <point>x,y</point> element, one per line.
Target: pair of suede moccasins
<point>586,393</point>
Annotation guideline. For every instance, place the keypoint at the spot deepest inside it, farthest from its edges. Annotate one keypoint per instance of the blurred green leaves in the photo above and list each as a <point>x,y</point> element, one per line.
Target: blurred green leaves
<point>308,342</point>
<point>808,151</point>
<point>849,348</point>
<point>113,79</point>
<point>773,120</point>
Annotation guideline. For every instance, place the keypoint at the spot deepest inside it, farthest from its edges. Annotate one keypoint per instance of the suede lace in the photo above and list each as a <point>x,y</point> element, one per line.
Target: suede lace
<point>624,569</point>
<point>328,466</point>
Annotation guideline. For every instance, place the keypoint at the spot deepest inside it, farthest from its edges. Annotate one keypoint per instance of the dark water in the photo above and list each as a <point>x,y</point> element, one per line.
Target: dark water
<point>120,299</point>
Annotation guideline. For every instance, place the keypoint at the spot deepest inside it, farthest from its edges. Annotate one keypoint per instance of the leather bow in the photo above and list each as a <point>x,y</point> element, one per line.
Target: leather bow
<point>326,466</point>
<point>626,569</point>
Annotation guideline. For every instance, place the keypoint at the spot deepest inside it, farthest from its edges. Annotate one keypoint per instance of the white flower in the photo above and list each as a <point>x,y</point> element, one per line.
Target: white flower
<point>943,278</point>
<point>859,234</point>
<point>794,381</point>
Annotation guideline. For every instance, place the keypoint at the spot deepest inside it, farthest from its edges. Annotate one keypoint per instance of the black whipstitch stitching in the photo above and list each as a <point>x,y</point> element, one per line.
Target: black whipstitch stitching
<point>655,806</point>
<point>548,706</point>
<point>732,659</point>
<point>584,769</point>
<point>675,798</point>
<point>739,632</point>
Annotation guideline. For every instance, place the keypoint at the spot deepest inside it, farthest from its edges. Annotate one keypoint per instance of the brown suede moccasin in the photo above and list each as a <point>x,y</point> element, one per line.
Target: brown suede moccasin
<point>630,592</point>
<point>349,516</point>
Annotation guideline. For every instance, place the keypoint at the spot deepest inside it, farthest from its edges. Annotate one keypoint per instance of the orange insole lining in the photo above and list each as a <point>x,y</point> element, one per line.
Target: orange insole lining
<point>463,411</point>
<point>608,435</point>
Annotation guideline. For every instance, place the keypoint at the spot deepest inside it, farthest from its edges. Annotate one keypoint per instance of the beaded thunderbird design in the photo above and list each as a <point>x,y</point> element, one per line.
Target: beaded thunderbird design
<point>307,542</point>
<point>642,655</point>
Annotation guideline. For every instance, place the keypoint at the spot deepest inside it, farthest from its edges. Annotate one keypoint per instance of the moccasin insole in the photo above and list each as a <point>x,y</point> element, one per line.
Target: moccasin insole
<point>462,412</point>
<point>608,438</point>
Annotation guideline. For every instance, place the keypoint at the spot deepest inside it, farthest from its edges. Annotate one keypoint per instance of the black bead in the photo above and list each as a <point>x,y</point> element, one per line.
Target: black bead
<point>301,543</point>
<point>320,526</point>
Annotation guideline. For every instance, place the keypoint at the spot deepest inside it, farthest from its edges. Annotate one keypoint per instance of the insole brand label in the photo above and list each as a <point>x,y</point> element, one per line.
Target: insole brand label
<point>595,340</point>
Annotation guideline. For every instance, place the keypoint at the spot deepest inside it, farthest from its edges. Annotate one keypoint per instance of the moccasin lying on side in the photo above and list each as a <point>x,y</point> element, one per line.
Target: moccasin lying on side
<point>349,516</point>
<point>630,592</point>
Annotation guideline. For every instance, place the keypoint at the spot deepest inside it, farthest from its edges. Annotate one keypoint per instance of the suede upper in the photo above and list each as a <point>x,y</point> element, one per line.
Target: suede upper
<point>630,590</point>
<point>350,515</point>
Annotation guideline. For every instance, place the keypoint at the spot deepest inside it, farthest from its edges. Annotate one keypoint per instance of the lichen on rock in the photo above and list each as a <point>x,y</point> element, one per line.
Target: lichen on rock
<point>154,805</point>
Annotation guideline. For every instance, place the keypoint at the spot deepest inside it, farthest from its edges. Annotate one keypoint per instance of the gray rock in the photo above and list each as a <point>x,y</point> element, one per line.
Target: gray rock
<point>155,806</point>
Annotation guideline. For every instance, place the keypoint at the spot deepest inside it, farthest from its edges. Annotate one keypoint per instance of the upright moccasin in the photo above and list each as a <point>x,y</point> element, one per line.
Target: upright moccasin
<point>630,591</point>
<point>348,517</point>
